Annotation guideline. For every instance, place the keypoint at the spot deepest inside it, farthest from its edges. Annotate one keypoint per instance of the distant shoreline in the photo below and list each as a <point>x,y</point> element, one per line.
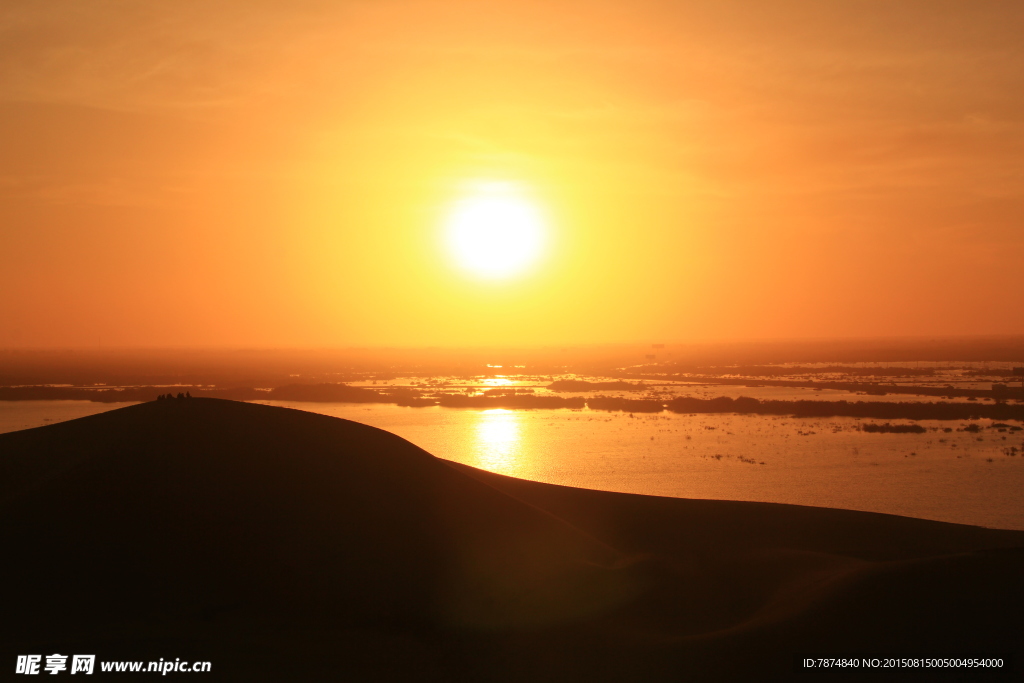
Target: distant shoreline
<point>341,393</point>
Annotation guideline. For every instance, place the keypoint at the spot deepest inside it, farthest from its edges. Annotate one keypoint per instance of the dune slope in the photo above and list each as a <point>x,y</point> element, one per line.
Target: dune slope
<point>281,544</point>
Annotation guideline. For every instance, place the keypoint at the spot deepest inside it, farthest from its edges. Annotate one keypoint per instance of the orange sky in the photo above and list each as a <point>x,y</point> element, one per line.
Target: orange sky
<point>274,174</point>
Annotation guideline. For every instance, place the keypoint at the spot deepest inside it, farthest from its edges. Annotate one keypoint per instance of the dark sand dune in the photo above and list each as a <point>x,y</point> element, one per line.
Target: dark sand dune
<point>284,545</point>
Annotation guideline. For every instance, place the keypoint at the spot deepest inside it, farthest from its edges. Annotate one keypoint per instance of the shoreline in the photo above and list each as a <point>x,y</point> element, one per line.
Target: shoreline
<point>402,396</point>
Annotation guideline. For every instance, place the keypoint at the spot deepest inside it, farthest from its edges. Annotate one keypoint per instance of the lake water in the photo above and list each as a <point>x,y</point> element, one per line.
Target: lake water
<point>15,415</point>
<point>959,476</point>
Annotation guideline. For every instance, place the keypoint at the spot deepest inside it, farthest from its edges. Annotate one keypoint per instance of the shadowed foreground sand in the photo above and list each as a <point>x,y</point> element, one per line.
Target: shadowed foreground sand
<point>283,545</point>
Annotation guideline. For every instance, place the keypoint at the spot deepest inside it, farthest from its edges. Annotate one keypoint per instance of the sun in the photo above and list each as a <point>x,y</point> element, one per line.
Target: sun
<point>495,231</point>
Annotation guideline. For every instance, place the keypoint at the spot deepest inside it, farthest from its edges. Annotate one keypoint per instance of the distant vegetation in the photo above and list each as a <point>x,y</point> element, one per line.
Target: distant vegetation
<point>292,392</point>
<point>580,385</point>
<point>49,393</point>
<point>871,388</point>
<point>404,396</point>
<point>991,372</point>
<point>779,371</point>
<point>893,429</point>
<point>520,401</point>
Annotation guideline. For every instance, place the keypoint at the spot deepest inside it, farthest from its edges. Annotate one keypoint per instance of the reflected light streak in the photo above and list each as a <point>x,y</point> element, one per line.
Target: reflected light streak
<point>498,441</point>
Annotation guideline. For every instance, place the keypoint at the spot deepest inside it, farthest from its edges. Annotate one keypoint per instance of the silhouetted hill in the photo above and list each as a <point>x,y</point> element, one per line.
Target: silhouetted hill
<point>285,545</point>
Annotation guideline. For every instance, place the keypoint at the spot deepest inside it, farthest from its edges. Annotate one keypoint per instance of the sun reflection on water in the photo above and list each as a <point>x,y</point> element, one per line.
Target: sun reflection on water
<point>498,441</point>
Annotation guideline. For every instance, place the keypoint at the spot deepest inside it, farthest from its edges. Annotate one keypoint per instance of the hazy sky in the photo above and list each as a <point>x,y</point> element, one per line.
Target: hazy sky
<point>277,174</point>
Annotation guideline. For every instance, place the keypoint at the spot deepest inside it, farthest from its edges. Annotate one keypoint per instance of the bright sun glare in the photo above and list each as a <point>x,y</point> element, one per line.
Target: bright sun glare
<point>495,231</point>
